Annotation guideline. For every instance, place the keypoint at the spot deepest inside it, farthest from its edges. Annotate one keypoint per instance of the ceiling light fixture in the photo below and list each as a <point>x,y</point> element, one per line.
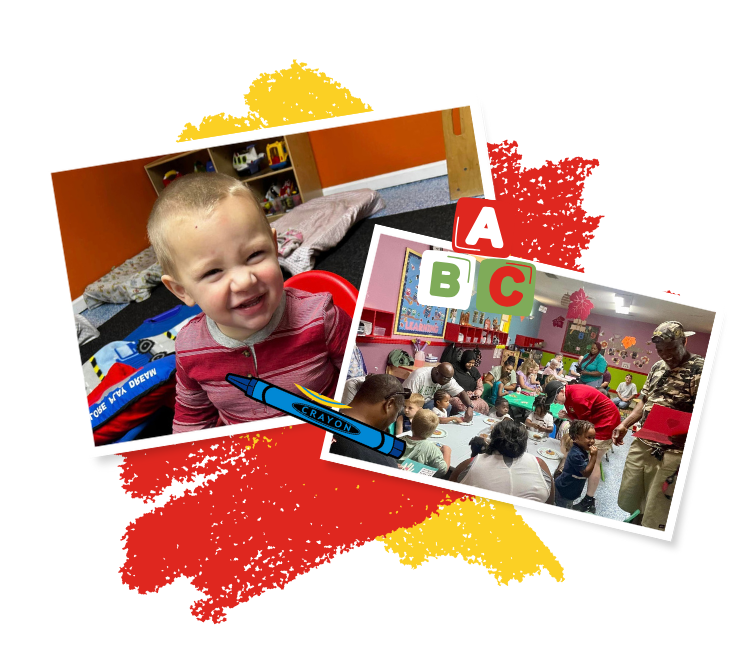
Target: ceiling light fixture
<point>622,310</point>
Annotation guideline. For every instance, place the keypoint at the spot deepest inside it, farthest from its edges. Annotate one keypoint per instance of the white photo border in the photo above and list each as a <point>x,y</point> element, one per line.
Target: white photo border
<point>441,103</point>
<point>666,534</point>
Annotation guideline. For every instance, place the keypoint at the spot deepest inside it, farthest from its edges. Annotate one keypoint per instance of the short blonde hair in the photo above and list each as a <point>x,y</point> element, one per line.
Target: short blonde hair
<point>194,194</point>
<point>424,423</point>
<point>416,399</point>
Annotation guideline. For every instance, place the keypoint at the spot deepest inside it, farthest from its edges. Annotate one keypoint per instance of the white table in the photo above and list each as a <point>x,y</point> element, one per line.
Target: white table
<point>458,437</point>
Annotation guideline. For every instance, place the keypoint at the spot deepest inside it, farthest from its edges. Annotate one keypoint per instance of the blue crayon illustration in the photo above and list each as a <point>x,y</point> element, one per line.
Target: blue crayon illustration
<point>316,414</point>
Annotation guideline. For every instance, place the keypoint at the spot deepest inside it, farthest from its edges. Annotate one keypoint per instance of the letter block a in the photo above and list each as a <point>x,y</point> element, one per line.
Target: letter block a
<point>446,279</point>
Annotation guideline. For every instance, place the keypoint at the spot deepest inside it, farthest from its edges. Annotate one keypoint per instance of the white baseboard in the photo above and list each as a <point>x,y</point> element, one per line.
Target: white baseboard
<point>404,176</point>
<point>78,305</point>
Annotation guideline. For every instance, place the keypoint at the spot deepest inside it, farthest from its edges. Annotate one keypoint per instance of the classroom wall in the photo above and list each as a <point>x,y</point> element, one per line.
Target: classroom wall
<point>354,152</point>
<point>383,293</point>
<point>103,213</point>
<point>610,326</point>
<point>103,210</point>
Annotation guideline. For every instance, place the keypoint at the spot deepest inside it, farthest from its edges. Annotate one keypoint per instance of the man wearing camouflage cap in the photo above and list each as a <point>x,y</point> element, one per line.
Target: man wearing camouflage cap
<point>651,469</point>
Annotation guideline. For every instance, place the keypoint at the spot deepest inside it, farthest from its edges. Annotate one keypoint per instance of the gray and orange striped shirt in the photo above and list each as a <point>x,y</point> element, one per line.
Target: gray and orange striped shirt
<point>303,343</point>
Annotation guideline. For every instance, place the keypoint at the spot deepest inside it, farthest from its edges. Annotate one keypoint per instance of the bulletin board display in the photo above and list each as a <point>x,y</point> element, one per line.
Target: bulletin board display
<point>576,342</point>
<point>413,319</point>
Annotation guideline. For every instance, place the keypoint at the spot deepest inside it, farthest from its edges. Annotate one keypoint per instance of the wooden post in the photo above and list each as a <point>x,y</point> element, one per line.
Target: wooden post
<point>464,173</point>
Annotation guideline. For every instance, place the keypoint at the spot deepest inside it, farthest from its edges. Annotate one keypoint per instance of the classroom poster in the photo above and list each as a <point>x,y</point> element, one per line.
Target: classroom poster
<point>412,318</point>
<point>578,342</point>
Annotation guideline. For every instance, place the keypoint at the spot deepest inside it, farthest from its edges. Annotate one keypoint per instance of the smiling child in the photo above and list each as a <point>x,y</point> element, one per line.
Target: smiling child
<point>217,251</point>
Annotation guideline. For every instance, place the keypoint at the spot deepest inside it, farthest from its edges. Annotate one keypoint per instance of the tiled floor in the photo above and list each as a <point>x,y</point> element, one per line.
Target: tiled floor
<point>607,492</point>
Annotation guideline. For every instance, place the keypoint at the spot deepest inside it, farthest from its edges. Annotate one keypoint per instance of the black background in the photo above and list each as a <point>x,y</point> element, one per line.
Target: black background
<point>640,186</point>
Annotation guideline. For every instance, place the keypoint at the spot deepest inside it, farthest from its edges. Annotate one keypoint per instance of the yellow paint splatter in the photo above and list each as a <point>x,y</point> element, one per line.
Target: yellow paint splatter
<point>481,531</point>
<point>293,95</point>
<point>255,440</point>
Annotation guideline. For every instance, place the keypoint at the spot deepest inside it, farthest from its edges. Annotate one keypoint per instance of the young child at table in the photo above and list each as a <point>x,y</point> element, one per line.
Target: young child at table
<point>412,405</point>
<point>442,402</point>
<point>500,411</point>
<point>493,390</point>
<point>478,446</point>
<point>578,465</point>
<point>486,394</point>
<point>527,378</point>
<point>218,251</point>
<point>540,419</point>
<point>419,448</point>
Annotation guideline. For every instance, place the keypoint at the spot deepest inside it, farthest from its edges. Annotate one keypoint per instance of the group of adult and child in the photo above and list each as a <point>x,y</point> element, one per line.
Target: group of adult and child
<point>593,425</point>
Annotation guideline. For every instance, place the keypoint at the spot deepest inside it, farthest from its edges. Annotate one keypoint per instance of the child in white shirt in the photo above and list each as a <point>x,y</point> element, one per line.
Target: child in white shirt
<point>540,419</point>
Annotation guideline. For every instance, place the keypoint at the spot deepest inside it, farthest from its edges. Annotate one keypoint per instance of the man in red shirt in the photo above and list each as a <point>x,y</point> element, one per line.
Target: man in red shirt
<point>589,404</point>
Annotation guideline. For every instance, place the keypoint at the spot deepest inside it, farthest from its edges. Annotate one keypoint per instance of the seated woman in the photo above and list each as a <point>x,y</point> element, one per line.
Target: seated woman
<point>593,367</point>
<point>526,377</point>
<point>506,467</point>
<point>468,377</point>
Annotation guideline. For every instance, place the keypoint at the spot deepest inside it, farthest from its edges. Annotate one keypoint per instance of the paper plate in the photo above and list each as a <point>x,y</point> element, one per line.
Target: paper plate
<point>438,434</point>
<point>465,424</point>
<point>549,453</point>
<point>491,421</point>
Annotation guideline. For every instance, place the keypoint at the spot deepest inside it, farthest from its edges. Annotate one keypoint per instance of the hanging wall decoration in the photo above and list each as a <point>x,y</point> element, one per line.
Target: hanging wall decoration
<point>580,306</point>
<point>558,322</point>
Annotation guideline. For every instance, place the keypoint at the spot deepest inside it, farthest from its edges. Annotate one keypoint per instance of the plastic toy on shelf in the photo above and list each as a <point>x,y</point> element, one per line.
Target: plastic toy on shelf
<point>247,160</point>
<point>277,155</point>
<point>170,176</point>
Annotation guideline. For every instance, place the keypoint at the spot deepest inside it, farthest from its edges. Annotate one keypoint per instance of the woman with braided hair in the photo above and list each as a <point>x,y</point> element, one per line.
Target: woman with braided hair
<point>506,466</point>
<point>593,367</point>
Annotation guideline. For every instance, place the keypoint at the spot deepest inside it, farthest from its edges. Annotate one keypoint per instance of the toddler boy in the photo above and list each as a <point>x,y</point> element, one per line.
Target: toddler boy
<point>412,405</point>
<point>217,251</point>
<point>420,449</point>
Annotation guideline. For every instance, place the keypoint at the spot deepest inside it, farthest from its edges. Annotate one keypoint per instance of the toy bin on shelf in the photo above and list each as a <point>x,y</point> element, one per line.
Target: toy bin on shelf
<point>528,342</point>
<point>468,334</point>
<point>382,321</point>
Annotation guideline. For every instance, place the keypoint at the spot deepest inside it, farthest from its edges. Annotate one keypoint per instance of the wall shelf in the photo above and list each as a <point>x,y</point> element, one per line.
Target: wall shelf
<point>301,170</point>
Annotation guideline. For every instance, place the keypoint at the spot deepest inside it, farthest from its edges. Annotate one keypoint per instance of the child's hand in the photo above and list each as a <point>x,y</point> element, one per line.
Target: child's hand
<point>592,450</point>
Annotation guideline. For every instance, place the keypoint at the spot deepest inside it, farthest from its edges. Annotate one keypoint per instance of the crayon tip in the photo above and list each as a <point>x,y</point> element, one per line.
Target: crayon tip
<point>398,448</point>
<point>238,381</point>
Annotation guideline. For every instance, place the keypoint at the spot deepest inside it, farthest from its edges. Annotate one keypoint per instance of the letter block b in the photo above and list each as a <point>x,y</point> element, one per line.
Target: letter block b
<point>446,279</point>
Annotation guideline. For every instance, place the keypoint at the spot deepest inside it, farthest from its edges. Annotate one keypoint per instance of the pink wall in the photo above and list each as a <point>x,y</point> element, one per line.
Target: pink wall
<point>383,293</point>
<point>553,336</point>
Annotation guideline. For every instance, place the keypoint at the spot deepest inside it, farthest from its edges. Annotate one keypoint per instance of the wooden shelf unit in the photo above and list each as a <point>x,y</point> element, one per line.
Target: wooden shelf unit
<point>473,335</point>
<point>301,168</point>
<point>528,342</point>
<point>380,318</point>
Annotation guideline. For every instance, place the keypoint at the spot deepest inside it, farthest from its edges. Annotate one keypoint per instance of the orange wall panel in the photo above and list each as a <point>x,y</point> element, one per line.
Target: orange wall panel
<point>103,214</point>
<point>354,152</point>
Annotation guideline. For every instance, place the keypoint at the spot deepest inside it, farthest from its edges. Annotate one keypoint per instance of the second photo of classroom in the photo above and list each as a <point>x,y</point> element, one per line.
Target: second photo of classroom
<point>546,372</point>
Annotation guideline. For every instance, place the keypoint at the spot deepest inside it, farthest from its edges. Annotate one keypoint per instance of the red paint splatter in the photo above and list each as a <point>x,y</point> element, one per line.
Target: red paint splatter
<point>273,513</point>
<point>554,229</point>
<point>674,294</point>
<point>276,511</point>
